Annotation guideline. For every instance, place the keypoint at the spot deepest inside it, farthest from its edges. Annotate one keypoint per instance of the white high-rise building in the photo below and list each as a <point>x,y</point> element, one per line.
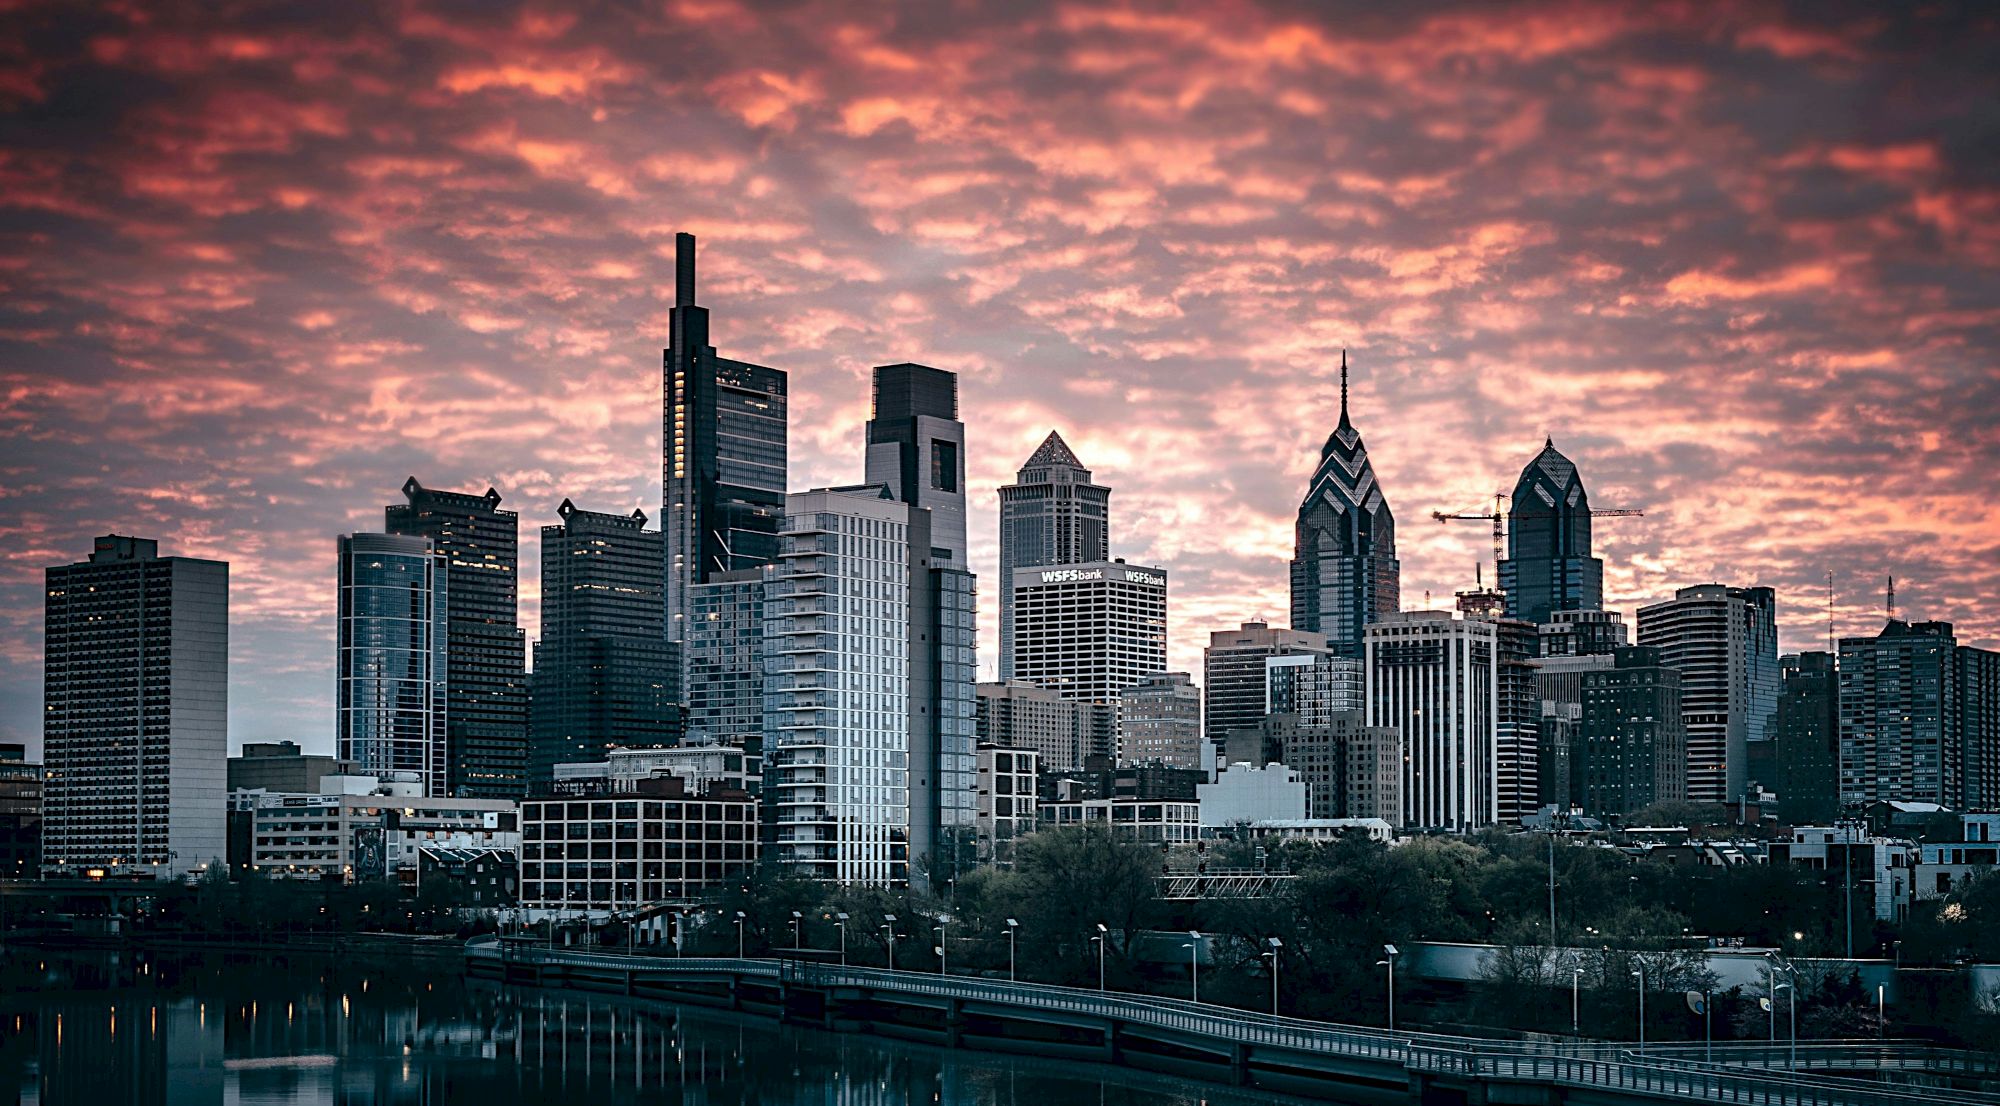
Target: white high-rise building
<point>1089,631</point>
<point>135,712</point>
<point>1435,678</point>
<point>838,617</point>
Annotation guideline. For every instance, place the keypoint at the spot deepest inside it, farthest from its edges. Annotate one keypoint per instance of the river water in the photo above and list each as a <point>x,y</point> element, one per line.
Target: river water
<point>117,1028</point>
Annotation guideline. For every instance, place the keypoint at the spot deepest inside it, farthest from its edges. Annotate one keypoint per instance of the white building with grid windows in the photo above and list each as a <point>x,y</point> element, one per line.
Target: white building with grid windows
<point>1434,678</point>
<point>1089,631</point>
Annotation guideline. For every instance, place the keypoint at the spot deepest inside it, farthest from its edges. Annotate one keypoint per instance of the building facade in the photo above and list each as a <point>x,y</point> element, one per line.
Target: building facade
<point>1900,703</point>
<point>1979,726</point>
<point>1549,567</point>
<point>723,656</point>
<point>1631,748</point>
<point>135,695</point>
<point>723,444</point>
<point>1349,769</point>
<point>605,675</point>
<point>1051,515</point>
<point>1007,800</point>
<point>1089,631</point>
<point>1434,679</point>
<point>1145,821</point>
<point>356,837</point>
<point>1724,642</point>
<point>1313,686</point>
<point>391,677</point>
<point>1583,633</point>
<point>1062,733</point>
<point>280,766</point>
<point>1808,739</point>
<point>1344,569</point>
<point>1243,794</point>
<point>1234,681</point>
<point>1518,750</point>
<point>625,771</point>
<point>486,719</point>
<point>20,814</point>
<point>665,844</point>
<point>1159,721</point>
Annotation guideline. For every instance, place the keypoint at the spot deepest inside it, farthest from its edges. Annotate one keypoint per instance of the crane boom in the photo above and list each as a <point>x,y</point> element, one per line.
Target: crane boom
<point>1498,516</point>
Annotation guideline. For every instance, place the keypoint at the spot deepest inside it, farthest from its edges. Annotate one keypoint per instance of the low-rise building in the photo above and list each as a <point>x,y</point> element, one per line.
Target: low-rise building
<point>281,767</point>
<point>486,878</point>
<point>1878,870</point>
<point>1147,821</point>
<point>663,843</point>
<point>1945,866</point>
<point>1245,794</point>
<point>363,831</point>
<point>1006,802</point>
<point>699,766</point>
<point>20,814</point>
<point>1321,829</point>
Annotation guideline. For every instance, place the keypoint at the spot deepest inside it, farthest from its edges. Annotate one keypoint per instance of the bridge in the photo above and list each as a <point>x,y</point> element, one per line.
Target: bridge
<point>1282,1054</point>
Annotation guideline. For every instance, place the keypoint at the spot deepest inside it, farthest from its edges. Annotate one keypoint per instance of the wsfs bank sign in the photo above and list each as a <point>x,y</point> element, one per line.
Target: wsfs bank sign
<point>1081,575</point>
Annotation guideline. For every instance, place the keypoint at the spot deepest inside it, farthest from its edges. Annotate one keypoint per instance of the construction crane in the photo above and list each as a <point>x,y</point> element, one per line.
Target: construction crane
<point>1498,516</point>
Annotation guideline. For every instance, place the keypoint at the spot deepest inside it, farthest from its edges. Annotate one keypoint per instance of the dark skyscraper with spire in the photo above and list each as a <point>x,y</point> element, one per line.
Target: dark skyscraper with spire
<point>1344,572</point>
<point>1549,567</point>
<point>723,453</point>
<point>1051,515</point>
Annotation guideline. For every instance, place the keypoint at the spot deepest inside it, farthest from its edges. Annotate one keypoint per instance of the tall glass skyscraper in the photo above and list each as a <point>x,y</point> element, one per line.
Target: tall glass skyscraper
<point>1344,569</point>
<point>1051,515</point>
<point>723,463</point>
<point>1549,567</point>
<point>390,670</point>
<point>486,651</point>
<point>1724,641</point>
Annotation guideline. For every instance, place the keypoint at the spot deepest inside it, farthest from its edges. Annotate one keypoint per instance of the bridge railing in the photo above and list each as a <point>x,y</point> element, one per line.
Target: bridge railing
<point>1704,1085</point>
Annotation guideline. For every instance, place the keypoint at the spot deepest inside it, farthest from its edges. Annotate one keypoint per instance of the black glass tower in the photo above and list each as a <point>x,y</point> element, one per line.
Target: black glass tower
<point>1051,515</point>
<point>723,460</point>
<point>1344,569</point>
<point>1809,739</point>
<point>1549,567</point>
<point>486,652</point>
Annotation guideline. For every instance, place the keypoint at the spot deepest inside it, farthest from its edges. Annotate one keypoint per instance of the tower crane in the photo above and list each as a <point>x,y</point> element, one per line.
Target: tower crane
<point>1498,516</point>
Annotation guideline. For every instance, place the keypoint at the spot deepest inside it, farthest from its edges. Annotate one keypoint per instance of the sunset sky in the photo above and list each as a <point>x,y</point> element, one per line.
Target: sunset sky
<point>262,263</point>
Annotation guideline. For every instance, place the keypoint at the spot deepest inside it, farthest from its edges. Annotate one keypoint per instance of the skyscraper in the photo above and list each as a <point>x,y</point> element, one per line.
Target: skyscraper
<point>1435,679</point>
<point>723,658</point>
<point>605,674</point>
<point>1234,681</point>
<point>1051,515</point>
<point>1518,751</point>
<point>1549,567</point>
<point>1808,738</point>
<point>1344,569</point>
<point>486,652</point>
<point>723,462</point>
<point>916,449</point>
<point>1724,641</point>
<point>1901,734</point>
<point>1631,747</point>
<point>1089,631</point>
<point>1159,721</point>
<point>391,676</point>
<point>135,703</point>
<point>1979,725</point>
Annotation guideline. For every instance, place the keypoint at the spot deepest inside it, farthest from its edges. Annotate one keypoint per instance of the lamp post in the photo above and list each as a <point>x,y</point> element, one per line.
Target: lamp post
<point>797,944</point>
<point>1641,974</point>
<point>1276,945</point>
<point>1881,1010</point>
<point>942,942</point>
<point>889,927</point>
<point>840,922</point>
<point>739,935</point>
<point>1102,934</point>
<point>1012,925</point>
<point>1792,1006</point>
<point>1194,963</point>
<point>1707,1028</point>
<point>1575,1001</point>
<point>1389,961</point>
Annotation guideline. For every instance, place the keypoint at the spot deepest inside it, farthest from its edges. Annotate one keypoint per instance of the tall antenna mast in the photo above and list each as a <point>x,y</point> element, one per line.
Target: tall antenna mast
<point>1829,610</point>
<point>1892,597</point>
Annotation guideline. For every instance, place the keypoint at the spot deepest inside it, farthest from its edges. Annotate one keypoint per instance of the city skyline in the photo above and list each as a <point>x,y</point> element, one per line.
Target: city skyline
<point>282,278</point>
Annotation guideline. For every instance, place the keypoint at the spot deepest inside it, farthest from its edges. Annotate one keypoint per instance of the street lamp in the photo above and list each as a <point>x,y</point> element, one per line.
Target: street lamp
<point>889,927</point>
<point>1792,1005</point>
<point>1881,1010</point>
<point>797,944</point>
<point>1102,934</point>
<point>1389,961</point>
<point>1194,962</point>
<point>1641,974</point>
<point>1276,945</point>
<point>739,935</point>
<point>941,945</point>
<point>1575,1000</point>
<point>1012,925</point>
<point>840,922</point>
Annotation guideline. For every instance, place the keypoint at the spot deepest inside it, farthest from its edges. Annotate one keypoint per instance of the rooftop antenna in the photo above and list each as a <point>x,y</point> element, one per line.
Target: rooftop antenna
<point>1892,598</point>
<point>1343,387</point>
<point>1829,610</point>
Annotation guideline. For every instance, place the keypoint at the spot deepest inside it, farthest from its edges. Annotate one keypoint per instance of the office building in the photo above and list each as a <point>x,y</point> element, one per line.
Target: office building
<point>1233,673</point>
<point>1582,633</point>
<point>1979,726</point>
<point>605,675</point>
<point>1520,720</point>
<point>1349,769</point>
<point>1901,728</point>
<point>722,467</point>
<point>1143,821</point>
<point>1007,801</point>
<point>625,771</point>
<point>723,656</point>
<point>1557,738</point>
<point>1243,794</point>
<point>486,717</point>
<point>1724,642</point>
<point>1089,631</point>
<point>1063,733</point>
<point>1435,679</point>
<point>1159,722</point>
<point>135,700</point>
<point>1808,739</point>
<point>361,829</point>
<point>391,677</point>
<point>1631,748</point>
<point>280,766</point>
<point>665,843</point>
<point>20,814</point>
<point>916,450</point>
<point>1051,515</point>
<point>1549,567</point>
<point>1344,569</point>
<point>1313,686</point>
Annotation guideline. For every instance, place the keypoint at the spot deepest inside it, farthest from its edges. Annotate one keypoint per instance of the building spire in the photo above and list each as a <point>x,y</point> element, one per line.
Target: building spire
<point>1343,389</point>
<point>683,270</point>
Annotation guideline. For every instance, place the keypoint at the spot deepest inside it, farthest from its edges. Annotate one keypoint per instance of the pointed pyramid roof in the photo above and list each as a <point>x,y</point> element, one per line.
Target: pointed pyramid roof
<point>1053,451</point>
<point>1551,461</point>
<point>1344,476</point>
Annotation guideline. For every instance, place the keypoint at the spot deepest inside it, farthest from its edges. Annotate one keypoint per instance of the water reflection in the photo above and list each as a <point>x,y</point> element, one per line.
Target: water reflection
<point>202,1030</point>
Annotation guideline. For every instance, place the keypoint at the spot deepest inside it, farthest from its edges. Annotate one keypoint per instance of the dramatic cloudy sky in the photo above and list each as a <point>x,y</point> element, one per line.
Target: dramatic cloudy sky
<point>260,263</point>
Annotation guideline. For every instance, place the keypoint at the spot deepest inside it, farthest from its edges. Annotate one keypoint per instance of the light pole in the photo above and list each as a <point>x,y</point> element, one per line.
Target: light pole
<point>797,944</point>
<point>1012,925</point>
<point>739,935</point>
<point>1276,945</point>
<point>840,921</point>
<point>1102,934</point>
<point>1389,961</point>
<point>889,927</point>
<point>1641,974</point>
<point>1792,1005</point>
<point>1707,1028</point>
<point>1575,1000</point>
<point>1194,963</point>
<point>1881,1010</point>
<point>941,945</point>
<point>1552,878</point>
